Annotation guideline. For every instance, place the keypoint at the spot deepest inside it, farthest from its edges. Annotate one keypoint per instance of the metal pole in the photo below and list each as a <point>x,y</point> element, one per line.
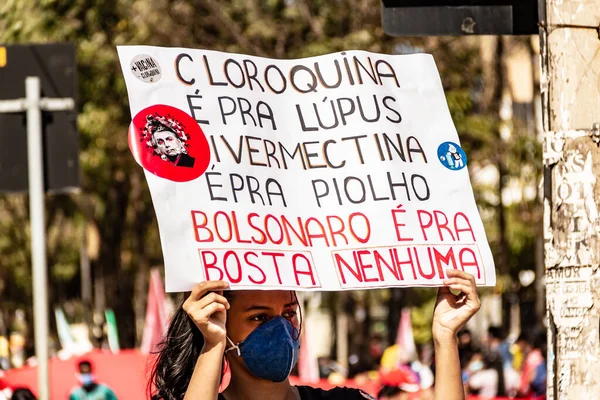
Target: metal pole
<point>38,234</point>
<point>341,323</point>
<point>86,282</point>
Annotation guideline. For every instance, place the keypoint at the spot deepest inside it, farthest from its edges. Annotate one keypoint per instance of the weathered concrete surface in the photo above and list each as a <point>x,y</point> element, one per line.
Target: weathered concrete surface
<point>573,12</point>
<point>570,84</point>
<point>572,257</point>
<point>574,59</point>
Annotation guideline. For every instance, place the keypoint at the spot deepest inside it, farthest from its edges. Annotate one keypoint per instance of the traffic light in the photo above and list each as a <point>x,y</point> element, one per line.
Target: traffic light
<point>459,17</point>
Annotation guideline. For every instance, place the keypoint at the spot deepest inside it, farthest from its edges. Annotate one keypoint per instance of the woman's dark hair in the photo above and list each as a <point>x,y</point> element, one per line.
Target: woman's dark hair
<point>177,356</point>
<point>23,394</point>
<point>497,332</point>
<point>84,363</point>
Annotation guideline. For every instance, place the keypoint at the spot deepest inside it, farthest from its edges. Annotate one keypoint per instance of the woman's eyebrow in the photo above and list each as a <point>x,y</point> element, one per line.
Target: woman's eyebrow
<point>257,308</point>
<point>267,308</point>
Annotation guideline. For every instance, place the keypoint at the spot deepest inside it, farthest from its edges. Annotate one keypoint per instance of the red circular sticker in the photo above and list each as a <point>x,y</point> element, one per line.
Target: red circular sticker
<point>169,143</point>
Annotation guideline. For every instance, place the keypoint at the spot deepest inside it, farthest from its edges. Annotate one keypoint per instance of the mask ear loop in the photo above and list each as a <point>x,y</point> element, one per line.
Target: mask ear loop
<point>233,347</point>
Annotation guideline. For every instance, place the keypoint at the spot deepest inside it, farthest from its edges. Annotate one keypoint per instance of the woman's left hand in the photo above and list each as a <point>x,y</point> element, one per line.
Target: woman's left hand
<point>451,311</point>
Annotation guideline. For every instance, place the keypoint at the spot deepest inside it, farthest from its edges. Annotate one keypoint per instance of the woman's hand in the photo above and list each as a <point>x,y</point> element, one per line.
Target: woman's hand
<point>452,312</point>
<point>209,311</point>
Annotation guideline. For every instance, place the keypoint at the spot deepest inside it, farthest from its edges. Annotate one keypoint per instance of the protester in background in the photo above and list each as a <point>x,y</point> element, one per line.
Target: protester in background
<point>517,356</point>
<point>376,349</point>
<point>531,345</point>
<point>540,377</point>
<point>255,335</point>
<point>4,354</point>
<point>396,358</point>
<point>486,376</point>
<point>90,390</point>
<point>466,347</point>
<point>421,366</point>
<point>4,345</point>
<point>398,384</point>
<point>474,364</point>
<point>497,344</point>
<point>22,394</point>
<point>17,340</point>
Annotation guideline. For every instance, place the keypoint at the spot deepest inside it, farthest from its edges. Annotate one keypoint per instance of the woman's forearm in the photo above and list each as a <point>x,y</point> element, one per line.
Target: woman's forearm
<point>206,378</point>
<point>452,311</point>
<point>448,376</point>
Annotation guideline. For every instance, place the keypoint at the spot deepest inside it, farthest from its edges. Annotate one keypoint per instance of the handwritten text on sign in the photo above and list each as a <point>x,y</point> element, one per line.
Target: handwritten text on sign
<point>335,172</point>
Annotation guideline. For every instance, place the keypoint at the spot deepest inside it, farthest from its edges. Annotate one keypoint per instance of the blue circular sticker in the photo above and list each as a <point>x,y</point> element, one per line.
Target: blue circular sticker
<point>452,156</point>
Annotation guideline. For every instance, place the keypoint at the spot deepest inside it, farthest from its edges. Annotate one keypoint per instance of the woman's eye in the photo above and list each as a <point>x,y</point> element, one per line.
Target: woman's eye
<point>160,141</point>
<point>290,314</point>
<point>259,318</point>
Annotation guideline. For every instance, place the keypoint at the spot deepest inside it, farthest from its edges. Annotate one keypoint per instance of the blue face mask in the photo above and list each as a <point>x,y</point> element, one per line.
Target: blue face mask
<point>271,350</point>
<point>86,379</point>
<point>476,366</point>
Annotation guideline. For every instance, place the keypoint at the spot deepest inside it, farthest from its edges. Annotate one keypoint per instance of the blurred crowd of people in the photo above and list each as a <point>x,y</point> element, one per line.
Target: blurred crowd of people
<point>493,366</point>
<point>88,388</point>
<point>497,367</point>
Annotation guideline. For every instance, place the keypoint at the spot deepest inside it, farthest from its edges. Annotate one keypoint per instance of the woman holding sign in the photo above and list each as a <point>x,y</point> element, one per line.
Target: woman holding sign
<point>257,333</point>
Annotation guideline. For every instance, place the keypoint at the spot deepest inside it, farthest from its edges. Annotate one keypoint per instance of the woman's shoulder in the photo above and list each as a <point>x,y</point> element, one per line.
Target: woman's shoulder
<point>338,393</point>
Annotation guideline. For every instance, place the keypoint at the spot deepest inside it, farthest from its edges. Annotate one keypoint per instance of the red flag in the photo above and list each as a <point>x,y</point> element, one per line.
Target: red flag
<point>405,339</point>
<point>156,315</point>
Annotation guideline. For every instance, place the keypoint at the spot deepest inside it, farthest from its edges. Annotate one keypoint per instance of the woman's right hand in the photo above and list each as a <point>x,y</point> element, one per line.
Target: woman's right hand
<point>207,307</point>
<point>452,312</point>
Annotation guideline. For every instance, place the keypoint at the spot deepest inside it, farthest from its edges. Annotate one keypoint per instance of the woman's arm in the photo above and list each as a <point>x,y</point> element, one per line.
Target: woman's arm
<point>207,373</point>
<point>451,313</point>
<point>448,378</point>
<point>209,313</point>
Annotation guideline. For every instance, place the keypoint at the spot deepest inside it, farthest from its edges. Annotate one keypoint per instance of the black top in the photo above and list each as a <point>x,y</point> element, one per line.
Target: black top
<point>340,393</point>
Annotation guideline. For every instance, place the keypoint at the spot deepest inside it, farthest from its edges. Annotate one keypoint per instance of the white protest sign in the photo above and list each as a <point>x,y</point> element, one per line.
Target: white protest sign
<point>336,172</point>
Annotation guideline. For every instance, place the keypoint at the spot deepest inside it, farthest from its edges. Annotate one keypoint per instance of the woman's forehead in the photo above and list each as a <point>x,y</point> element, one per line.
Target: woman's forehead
<point>270,298</point>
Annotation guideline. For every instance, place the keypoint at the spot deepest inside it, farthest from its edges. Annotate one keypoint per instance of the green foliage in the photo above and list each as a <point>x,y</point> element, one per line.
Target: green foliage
<point>422,318</point>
